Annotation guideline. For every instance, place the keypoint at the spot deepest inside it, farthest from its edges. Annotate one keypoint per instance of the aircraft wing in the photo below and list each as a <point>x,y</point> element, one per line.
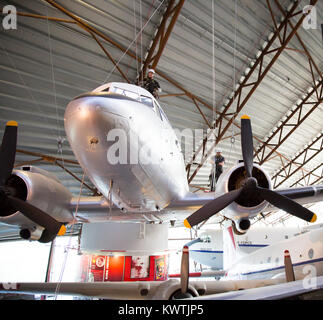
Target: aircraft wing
<point>88,208</point>
<point>304,289</point>
<point>94,209</point>
<point>304,195</point>
<point>140,290</point>
<point>301,195</point>
<point>101,290</point>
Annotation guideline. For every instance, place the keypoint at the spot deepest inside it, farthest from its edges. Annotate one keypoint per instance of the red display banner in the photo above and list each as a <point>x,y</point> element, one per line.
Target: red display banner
<point>115,268</point>
<point>97,268</point>
<point>128,268</point>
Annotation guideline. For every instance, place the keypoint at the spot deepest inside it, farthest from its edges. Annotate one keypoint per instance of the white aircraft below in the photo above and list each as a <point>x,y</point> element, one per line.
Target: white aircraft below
<point>305,249</point>
<point>265,269</point>
<point>117,133</point>
<point>207,249</point>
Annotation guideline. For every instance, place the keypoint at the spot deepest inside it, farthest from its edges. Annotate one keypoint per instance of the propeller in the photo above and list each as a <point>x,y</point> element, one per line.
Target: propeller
<point>184,270</point>
<point>289,269</point>
<point>250,187</point>
<point>7,194</point>
<point>247,144</point>
<point>184,293</point>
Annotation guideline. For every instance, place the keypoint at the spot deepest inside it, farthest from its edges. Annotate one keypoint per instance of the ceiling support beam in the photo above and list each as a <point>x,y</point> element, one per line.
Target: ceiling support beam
<point>301,43</point>
<point>306,180</point>
<point>187,93</point>
<point>56,161</point>
<point>172,12</point>
<point>293,120</point>
<point>297,163</point>
<point>256,70</point>
<point>105,51</point>
<point>202,114</point>
<point>45,157</point>
<point>310,179</point>
<point>94,190</point>
<point>95,31</point>
<point>317,86</point>
<point>37,16</point>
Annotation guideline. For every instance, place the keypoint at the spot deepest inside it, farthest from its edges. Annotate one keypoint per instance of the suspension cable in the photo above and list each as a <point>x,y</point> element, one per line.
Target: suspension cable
<point>69,241</point>
<point>135,39</point>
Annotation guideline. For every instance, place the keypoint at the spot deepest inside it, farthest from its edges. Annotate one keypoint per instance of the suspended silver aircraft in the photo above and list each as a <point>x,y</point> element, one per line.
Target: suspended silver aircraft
<point>125,144</point>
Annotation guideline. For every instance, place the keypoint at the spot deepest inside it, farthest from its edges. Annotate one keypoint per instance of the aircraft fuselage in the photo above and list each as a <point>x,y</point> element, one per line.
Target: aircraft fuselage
<point>125,144</point>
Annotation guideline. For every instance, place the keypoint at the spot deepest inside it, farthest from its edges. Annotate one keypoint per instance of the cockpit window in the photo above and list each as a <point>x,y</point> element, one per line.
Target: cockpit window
<point>132,95</point>
<point>157,108</point>
<point>160,111</point>
<point>127,93</point>
<point>163,115</point>
<point>118,90</point>
<point>147,101</point>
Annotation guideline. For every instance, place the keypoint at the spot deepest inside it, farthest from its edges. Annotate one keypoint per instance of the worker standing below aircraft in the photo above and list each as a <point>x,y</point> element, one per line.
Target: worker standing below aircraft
<point>151,85</point>
<point>217,169</point>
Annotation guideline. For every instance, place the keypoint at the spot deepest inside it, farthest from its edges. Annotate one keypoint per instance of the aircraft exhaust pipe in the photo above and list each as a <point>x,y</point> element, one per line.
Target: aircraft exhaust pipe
<point>28,234</point>
<point>241,226</point>
<point>244,224</point>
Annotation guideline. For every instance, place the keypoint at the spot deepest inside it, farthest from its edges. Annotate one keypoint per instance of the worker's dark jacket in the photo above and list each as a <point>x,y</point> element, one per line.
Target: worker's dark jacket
<point>218,160</point>
<point>152,86</point>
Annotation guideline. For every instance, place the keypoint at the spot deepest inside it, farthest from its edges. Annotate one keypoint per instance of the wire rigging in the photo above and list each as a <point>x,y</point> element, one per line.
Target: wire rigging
<point>52,71</point>
<point>130,45</point>
<point>67,248</point>
<point>141,55</point>
<point>232,140</point>
<point>28,89</point>
<point>213,66</point>
<point>135,26</point>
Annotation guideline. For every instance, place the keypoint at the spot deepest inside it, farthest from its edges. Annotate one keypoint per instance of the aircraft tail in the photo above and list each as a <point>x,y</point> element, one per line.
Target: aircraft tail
<point>231,251</point>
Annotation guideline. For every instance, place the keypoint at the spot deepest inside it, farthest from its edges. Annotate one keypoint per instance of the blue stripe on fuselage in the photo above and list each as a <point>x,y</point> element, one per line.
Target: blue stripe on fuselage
<point>282,267</point>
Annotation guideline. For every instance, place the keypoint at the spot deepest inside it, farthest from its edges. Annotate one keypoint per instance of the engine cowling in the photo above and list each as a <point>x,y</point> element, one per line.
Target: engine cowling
<point>41,189</point>
<point>246,206</point>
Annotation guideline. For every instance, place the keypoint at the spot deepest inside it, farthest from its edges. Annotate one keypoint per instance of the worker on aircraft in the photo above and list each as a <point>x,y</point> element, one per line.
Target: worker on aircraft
<point>217,168</point>
<point>151,85</point>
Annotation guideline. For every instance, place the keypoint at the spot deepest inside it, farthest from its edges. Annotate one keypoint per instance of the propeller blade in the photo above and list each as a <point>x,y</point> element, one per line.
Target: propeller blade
<point>8,151</point>
<point>46,236</point>
<point>36,215</point>
<point>289,270</point>
<point>211,208</point>
<point>184,269</point>
<point>247,144</point>
<point>287,205</point>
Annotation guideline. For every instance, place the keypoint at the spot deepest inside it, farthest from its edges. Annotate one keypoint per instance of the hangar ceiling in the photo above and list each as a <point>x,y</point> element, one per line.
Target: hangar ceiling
<point>215,60</point>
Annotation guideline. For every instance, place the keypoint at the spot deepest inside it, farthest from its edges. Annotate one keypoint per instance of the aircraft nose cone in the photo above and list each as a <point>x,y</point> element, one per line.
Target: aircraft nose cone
<point>89,120</point>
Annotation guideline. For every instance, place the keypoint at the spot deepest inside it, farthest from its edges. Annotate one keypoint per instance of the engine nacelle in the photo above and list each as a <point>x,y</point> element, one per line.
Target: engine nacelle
<point>41,189</point>
<point>246,206</point>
